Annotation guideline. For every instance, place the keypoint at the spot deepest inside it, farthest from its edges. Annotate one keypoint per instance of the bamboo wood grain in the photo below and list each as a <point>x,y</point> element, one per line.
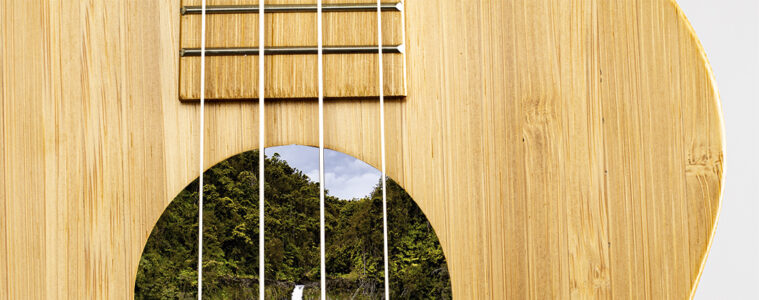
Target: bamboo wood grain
<point>293,76</point>
<point>561,149</point>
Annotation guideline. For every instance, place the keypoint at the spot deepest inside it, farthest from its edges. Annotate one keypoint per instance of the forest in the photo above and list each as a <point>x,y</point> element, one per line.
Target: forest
<point>354,244</point>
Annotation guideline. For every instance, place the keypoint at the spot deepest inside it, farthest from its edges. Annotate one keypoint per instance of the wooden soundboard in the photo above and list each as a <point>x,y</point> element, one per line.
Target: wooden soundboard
<point>567,149</point>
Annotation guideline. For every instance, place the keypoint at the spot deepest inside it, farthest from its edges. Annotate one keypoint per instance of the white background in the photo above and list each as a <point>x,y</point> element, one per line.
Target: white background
<point>729,31</point>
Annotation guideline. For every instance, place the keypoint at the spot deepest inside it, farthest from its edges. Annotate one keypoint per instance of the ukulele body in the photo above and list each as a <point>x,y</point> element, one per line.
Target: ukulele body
<point>560,149</point>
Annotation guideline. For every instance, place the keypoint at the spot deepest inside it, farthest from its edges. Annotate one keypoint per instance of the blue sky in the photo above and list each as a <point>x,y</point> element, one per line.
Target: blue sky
<point>346,176</point>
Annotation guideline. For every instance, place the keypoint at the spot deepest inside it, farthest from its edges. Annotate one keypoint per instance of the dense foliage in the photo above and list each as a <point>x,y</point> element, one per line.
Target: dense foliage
<point>167,268</point>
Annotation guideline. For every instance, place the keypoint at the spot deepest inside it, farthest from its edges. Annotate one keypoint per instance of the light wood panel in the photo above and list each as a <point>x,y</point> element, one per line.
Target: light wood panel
<point>561,149</point>
<point>292,29</point>
<point>292,76</point>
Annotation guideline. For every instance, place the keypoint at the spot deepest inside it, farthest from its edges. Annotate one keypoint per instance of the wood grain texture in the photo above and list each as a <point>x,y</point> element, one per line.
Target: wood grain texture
<point>566,149</point>
<point>292,76</point>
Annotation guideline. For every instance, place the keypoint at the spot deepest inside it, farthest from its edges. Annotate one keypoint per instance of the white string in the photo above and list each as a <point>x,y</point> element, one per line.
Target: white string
<point>382,148</point>
<point>202,133</point>
<point>320,65</point>
<point>261,152</point>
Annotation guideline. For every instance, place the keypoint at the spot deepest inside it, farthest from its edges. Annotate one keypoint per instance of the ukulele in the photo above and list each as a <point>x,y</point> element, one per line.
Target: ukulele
<point>560,149</point>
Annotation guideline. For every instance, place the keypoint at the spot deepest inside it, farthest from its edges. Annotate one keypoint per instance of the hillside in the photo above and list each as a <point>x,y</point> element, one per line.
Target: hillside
<point>167,268</point>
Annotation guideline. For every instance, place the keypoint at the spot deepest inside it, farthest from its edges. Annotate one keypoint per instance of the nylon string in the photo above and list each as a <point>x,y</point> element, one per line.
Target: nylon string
<point>202,134</point>
<point>382,149</point>
<point>320,66</point>
<point>261,154</point>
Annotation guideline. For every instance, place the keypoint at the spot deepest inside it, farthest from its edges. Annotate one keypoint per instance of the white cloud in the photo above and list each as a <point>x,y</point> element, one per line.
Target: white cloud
<point>348,187</point>
<point>346,176</point>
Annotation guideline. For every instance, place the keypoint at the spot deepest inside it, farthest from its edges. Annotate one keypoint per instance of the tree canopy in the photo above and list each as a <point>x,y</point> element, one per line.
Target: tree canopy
<point>167,269</point>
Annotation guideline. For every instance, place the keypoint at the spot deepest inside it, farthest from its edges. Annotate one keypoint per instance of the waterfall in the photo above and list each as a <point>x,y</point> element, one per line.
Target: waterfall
<point>298,292</point>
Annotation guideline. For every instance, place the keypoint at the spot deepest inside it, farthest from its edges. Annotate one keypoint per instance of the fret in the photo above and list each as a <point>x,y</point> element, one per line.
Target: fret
<point>240,51</point>
<point>291,8</point>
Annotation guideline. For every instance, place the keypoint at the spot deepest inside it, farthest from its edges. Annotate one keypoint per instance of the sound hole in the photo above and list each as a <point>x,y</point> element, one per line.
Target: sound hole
<point>167,269</point>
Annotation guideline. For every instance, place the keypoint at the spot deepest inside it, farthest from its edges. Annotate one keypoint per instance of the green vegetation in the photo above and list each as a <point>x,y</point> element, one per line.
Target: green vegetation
<point>167,268</point>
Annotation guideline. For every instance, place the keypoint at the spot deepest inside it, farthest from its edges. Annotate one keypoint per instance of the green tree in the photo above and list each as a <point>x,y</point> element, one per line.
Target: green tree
<point>167,269</point>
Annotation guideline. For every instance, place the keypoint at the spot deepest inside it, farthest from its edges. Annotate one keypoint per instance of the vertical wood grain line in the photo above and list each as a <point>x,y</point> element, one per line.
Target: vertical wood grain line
<point>4,277</point>
<point>3,200</point>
